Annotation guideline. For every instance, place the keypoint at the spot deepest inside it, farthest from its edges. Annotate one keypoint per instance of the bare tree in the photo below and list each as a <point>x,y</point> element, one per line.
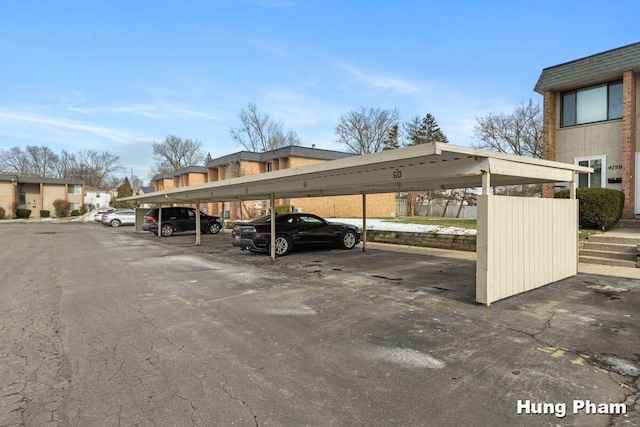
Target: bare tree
<point>15,160</point>
<point>136,182</point>
<point>91,166</point>
<point>42,160</point>
<point>366,130</point>
<point>66,165</point>
<point>258,132</point>
<point>94,167</point>
<point>517,133</point>
<point>175,153</point>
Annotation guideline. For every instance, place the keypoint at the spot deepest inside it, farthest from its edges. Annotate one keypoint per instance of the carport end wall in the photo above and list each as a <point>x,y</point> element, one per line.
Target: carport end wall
<point>523,244</point>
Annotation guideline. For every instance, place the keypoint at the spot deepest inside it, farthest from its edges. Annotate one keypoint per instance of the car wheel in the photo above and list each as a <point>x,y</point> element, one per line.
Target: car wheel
<point>166,230</point>
<point>214,228</point>
<point>115,223</point>
<point>283,245</point>
<point>348,240</point>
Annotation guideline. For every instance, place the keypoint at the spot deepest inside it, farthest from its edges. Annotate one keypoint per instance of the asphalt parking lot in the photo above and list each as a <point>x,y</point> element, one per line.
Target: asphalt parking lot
<point>102,327</point>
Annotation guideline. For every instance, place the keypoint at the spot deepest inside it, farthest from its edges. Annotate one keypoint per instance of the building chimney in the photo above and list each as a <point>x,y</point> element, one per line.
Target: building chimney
<point>313,145</point>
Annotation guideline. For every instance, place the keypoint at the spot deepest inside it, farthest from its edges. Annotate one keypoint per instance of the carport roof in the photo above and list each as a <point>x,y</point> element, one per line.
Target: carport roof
<point>417,168</point>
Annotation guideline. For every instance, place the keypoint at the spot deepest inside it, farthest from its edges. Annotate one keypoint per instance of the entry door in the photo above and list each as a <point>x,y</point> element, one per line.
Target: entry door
<point>637,187</point>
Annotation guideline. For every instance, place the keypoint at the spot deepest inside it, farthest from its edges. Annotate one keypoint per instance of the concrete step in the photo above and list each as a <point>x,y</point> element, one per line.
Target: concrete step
<point>613,238</point>
<point>627,223</point>
<point>609,247</point>
<point>607,261</point>
<point>609,255</point>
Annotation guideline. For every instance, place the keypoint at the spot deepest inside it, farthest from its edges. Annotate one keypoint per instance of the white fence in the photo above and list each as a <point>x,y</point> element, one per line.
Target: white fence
<point>466,212</point>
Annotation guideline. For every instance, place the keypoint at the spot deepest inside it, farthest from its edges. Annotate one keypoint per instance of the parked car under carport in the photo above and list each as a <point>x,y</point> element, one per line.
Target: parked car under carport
<point>178,219</point>
<point>294,230</point>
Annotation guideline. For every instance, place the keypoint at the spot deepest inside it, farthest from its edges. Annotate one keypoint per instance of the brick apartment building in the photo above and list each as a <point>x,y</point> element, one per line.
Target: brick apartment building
<point>591,119</point>
<point>39,194</point>
<point>244,163</point>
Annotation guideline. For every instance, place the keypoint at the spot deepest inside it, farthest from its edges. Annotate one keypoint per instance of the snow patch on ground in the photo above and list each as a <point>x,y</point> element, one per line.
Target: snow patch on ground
<point>619,365</point>
<point>408,357</point>
<point>292,311</point>
<point>380,224</point>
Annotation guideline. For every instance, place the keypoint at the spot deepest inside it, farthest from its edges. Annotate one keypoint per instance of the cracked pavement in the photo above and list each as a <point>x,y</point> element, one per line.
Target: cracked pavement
<point>107,327</point>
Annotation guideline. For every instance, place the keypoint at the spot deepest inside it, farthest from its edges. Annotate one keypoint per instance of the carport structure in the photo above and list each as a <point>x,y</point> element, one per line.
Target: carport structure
<point>522,243</point>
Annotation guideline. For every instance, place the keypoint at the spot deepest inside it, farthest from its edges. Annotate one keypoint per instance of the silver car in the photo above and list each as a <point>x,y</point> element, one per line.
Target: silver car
<point>119,217</point>
<point>97,217</point>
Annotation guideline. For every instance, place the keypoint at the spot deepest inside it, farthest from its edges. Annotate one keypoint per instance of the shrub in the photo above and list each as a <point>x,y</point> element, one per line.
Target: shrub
<point>600,208</point>
<point>75,212</point>
<point>2,212</point>
<point>62,207</point>
<point>44,213</point>
<point>23,213</point>
<point>14,209</point>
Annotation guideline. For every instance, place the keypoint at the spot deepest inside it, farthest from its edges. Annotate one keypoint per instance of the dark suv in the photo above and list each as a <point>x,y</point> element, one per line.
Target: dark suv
<point>180,219</point>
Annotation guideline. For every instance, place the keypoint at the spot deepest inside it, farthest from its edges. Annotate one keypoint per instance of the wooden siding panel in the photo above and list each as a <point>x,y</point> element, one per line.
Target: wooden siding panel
<point>523,244</point>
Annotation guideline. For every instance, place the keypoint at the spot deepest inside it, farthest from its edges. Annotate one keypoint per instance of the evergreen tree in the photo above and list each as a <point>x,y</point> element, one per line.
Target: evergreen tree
<point>434,134</point>
<point>415,132</point>
<point>423,131</point>
<point>391,142</point>
<point>125,190</point>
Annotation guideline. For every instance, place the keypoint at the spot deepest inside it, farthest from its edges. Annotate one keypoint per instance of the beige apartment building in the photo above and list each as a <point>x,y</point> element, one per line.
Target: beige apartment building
<point>39,194</point>
<point>591,119</point>
<point>246,163</point>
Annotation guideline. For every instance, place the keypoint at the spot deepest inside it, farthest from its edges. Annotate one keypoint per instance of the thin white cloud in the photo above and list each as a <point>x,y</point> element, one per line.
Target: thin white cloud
<point>150,111</point>
<point>382,82</point>
<point>141,110</point>
<point>30,125</point>
<point>193,113</point>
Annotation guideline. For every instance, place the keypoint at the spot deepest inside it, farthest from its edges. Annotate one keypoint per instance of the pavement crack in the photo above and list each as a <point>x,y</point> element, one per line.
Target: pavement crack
<point>608,363</point>
<point>223,386</point>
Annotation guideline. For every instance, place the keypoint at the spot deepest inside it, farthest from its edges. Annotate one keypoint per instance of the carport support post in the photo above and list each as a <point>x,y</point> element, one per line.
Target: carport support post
<point>486,182</point>
<point>572,196</point>
<point>482,238</point>
<point>273,227</point>
<point>364,222</point>
<point>198,222</point>
<point>160,220</point>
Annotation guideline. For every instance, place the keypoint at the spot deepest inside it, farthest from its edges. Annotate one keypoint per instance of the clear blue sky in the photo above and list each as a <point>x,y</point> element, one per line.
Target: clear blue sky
<point>117,75</point>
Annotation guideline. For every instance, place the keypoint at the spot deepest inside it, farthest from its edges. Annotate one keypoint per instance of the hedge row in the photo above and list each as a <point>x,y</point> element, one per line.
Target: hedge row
<point>23,213</point>
<point>600,208</point>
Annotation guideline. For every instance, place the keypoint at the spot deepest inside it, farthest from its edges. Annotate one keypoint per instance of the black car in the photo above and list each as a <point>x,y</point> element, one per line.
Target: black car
<point>294,230</point>
<point>180,219</point>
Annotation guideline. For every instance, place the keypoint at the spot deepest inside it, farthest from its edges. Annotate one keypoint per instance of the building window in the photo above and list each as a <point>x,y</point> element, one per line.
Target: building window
<point>22,194</point>
<point>269,167</point>
<point>75,189</point>
<point>592,104</point>
<point>595,179</point>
